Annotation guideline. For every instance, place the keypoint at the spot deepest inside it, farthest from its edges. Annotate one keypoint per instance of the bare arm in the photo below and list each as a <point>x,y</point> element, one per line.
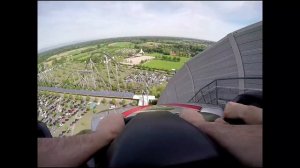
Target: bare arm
<point>75,150</point>
<point>68,151</point>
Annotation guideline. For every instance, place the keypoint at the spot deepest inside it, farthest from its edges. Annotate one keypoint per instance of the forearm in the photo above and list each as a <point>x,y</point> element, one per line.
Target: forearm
<point>69,151</point>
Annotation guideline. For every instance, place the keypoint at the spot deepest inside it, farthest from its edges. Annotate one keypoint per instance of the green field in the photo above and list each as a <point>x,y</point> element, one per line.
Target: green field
<point>166,65</point>
<point>121,45</point>
<point>156,54</point>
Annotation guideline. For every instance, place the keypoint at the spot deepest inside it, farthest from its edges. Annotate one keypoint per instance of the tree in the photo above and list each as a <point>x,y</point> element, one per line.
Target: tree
<point>113,101</point>
<point>103,101</point>
<point>133,103</point>
<point>130,86</point>
<point>114,87</point>
<point>122,86</point>
<point>153,91</point>
<point>123,102</point>
<point>42,67</point>
<point>54,61</point>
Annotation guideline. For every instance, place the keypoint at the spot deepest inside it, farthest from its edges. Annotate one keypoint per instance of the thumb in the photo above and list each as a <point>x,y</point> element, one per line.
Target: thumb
<point>221,121</point>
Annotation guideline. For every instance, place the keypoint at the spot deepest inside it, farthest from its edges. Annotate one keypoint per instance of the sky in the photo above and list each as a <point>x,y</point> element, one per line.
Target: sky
<point>62,22</point>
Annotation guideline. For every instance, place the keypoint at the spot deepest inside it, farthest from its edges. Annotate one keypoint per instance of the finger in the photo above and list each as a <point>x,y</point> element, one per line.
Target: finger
<point>191,114</point>
<point>193,117</point>
<point>234,110</point>
<point>221,121</point>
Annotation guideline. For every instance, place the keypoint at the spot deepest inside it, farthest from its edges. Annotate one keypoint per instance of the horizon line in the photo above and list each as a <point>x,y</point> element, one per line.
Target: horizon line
<point>84,41</point>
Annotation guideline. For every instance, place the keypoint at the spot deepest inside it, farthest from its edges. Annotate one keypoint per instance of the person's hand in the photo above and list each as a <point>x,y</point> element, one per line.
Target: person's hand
<point>192,116</point>
<point>110,126</point>
<point>250,114</point>
<point>243,141</point>
<point>73,151</point>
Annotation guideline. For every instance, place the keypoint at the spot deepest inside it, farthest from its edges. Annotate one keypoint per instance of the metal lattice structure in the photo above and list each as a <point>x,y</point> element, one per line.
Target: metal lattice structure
<point>90,78</point>
<point>218,92</point>
<point>46,76</point>
<point>127,95</point>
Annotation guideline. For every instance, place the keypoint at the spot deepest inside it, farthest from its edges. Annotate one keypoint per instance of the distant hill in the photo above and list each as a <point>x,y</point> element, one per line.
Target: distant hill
<point>47,52</point>
<point>57,46</point>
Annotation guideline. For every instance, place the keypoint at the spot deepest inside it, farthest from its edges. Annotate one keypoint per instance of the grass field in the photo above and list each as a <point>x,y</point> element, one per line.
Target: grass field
<point>166,65</point>
<point>121,45</point>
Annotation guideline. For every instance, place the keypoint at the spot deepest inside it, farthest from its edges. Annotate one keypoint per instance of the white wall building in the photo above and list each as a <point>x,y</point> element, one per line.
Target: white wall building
<point>143,99</point>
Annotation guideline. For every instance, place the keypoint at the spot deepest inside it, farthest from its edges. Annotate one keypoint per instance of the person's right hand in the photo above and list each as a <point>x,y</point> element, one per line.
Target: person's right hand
<point>250,114</point>
<point>110,126</point>
<point>242,141</point>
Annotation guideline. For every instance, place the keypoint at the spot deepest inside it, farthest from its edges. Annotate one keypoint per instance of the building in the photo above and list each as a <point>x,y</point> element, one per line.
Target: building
<point>141,53</point>
<point>143,99</point>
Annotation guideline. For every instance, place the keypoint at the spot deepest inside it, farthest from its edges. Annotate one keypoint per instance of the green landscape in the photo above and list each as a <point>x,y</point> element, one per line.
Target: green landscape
<point>129,66</point>
<point>166,65</point>
<point>85,66</point>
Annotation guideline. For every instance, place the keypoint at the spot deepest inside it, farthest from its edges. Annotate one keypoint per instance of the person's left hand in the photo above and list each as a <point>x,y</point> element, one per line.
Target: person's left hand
<point>110,126</point>
<point>192,116</point>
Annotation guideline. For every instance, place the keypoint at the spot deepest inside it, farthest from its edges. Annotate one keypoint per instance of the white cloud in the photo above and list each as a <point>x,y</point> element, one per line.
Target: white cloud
<point>61,22</point>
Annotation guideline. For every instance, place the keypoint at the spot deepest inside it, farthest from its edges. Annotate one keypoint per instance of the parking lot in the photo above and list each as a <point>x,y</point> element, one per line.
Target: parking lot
<point>68,115</point>
<point>151,78</point>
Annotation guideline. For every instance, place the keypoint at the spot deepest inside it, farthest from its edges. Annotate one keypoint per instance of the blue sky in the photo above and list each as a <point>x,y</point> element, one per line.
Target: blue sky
<point>63,22</point>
